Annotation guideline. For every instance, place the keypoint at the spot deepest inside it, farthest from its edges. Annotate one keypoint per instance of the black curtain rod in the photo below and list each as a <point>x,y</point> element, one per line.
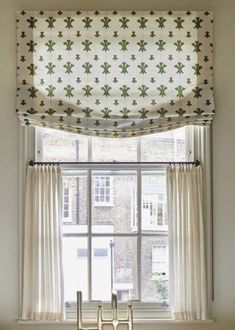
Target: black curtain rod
<point>196,162</point>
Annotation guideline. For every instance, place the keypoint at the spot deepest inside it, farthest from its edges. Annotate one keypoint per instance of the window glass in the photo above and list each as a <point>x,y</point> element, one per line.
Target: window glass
<point>117,215</point>
<point>117,270</point>
<point>64,146</point>
<point>75,264</point>
<point>109,150</point>
<point>154,274</point>
<point>110,210</point>
<point>165,146</point>
<point>154,206</point>
<point>75,203</point>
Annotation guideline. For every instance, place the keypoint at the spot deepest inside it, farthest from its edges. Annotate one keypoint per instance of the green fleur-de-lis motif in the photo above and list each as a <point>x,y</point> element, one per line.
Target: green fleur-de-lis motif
<point>32,69</point>
<point>124,21</point>
<point>180,89</point>
<point>69,91</point>
<point>105,66</point>
<point>161,67</point>
<point>68,67</point>
<point>68,44</point>
<point>51,21</point>
<point>179,23</point>
<point>87,112</point>
<point>106,112</point>
<point>162,90</point>
<point>32,92</point>
<point>124,44</point>
<point>160,43</point>
<point>87,90</point>
<point>179,68</point>
<point>199,111</point>
<point>142,21</point>
<point>87,22</point>
<point>32,22</point>
<point>125,113</point>
<point>142,66</point>
<point>143,113</point>
<point>105,45</point>
<point>32,46</point>
<point>161,22</point>
<point>197,92</point>
<point>50,111</point>
<point>31,111</point>
<point>124,89</point>
<point>105,20</point>
<point>50,67</point>
<point>197,44</point>
<point>69,22</point>
<point>180,112</point>
<point>87,44</point>
<point>124,67</point>
<point>143,90</point>
<point>69,111</point>
<point>197,68</point>
<point>197,21</point>
<point>142,44</point>
<point>106,89</point>
<point>50,46</point>
<point>162,112</point>
<point>50,91</point>
<point>179,44</point>
<point>87,67</point>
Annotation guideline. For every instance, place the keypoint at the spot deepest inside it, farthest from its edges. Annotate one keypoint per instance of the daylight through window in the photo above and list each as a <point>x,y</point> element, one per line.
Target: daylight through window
<point>115,226</point>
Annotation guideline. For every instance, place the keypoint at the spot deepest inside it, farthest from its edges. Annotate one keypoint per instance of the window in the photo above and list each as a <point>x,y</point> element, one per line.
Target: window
<point>67,205</point>
<point>160,259</point>
<point>117,238</point>
<point>103,190</point>
<point>100,252</point>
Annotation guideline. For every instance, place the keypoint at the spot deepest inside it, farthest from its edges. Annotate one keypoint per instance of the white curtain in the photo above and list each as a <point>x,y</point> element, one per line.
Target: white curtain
<point>186,241</point>
<point>42,265</point>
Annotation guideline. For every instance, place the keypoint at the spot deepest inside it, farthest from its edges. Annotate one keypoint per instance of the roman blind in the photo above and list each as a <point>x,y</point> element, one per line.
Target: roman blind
<point>114,74</point>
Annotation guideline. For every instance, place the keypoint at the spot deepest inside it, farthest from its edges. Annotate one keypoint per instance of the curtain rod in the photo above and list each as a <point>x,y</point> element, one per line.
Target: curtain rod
<point>196,162</point>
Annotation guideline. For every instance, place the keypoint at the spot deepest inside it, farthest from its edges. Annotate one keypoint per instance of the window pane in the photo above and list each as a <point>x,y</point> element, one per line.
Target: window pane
<point>63,146</point>
<point>75,212</point>
<point>166,146</point>
<point>154,206</point>
<point>117,270</point>
<point>75,267</point>
<point>154,265</point>
<point>104,149</point>
<point>115,210</point>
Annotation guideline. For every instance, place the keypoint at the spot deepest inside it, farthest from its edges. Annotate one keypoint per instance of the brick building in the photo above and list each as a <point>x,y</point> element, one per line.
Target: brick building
<point>114,209</point>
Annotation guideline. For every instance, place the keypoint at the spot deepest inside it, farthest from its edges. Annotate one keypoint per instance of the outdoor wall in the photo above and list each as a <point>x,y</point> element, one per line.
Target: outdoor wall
<point>223,150</point>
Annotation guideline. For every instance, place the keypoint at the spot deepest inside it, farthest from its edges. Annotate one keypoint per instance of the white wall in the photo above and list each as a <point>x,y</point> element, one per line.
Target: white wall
<point>223,159</point>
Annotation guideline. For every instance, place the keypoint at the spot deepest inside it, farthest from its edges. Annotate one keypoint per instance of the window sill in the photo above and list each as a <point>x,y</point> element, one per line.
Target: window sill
<point>92,323</point>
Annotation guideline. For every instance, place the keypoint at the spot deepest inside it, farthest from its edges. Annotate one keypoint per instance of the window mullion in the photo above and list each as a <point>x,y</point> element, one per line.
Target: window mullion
<point>89,183</point>
<point>139,223</point>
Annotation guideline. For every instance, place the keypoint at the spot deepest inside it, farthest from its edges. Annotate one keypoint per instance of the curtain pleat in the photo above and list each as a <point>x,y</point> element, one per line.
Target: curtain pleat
<point>186,240</point>
<point>42,258</point>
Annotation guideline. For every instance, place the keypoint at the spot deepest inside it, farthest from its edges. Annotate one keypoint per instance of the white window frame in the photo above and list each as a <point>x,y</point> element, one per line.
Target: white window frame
<point>199,147</point>
<point>69,218</point>
<point>156,246</point>
<point>103,203</point>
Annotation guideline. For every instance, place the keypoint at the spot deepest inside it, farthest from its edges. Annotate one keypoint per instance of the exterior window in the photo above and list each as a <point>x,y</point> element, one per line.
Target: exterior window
<point>160,259</point>
<point>103,191</point>
<point>117,238</point>
<point>67,217</point>
<point>100,252</point>
<point>81,252</point>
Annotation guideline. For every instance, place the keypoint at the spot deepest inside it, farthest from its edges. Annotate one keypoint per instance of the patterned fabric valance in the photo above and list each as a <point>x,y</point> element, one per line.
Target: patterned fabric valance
<point>114,73</point>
